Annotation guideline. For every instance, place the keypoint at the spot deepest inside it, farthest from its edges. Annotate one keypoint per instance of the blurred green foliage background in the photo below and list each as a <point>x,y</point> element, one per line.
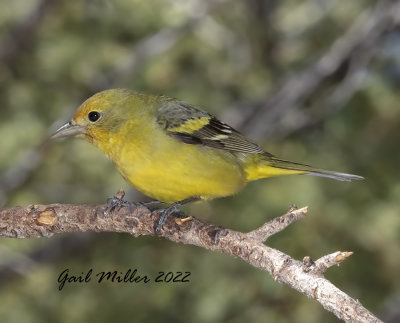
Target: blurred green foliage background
<point>312,81</point>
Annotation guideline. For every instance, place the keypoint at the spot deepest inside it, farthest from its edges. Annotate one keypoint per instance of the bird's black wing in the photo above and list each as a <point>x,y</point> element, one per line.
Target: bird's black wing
<point>192,125</point>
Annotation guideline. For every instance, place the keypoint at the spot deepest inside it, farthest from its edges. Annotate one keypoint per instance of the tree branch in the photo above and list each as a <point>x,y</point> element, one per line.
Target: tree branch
<point>306,277</point>
<point>277,224</point>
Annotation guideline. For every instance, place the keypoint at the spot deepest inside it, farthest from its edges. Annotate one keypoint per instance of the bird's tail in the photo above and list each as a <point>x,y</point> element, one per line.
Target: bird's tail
<point>272,166</point>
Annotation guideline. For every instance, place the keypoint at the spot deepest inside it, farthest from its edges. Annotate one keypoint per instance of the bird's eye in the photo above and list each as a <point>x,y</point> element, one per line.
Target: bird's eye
<point>93,116</point>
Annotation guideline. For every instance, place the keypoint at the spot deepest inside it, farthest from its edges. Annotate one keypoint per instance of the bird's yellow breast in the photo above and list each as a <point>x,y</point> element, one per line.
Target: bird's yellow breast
<point>168,170</point>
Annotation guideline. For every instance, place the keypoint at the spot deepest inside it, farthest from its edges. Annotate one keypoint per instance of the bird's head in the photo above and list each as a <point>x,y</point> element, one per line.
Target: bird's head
<point>99,117</point>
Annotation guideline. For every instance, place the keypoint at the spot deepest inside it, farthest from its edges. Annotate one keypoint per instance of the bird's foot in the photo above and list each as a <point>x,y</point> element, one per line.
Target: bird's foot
<point>175,210</point>
<point>165,213</point>
<point>117,201</point>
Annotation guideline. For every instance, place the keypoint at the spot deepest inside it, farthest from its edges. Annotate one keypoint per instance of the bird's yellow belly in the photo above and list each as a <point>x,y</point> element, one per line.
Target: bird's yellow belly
<point>191,171</point>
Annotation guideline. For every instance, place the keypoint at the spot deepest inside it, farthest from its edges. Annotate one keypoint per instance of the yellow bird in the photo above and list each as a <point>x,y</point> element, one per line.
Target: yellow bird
<point>174,152</point>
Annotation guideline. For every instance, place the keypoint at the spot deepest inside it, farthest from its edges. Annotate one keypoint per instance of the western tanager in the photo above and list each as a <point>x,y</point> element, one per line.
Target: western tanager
<point>172,151</point>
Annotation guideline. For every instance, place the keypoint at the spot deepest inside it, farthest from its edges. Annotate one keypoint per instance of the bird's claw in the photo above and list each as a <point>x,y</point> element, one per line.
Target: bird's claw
<point>117,202</point>
<point>165,213</point>
<point>173,209</point>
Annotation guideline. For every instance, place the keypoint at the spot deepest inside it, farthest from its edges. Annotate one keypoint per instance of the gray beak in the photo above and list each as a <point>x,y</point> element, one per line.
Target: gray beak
<point>68,130</point>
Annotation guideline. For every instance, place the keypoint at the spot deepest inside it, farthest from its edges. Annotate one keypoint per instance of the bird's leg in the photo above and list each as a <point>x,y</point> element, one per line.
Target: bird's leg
<point>117,201</point>
<point>173,208</point>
